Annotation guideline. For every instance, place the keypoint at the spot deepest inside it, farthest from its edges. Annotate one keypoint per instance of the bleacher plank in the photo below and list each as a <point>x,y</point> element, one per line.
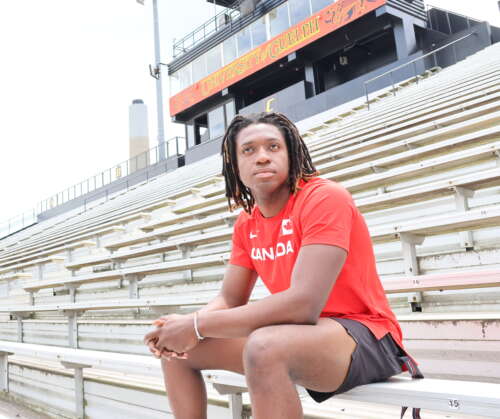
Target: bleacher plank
<point>441,395</point>
<point>156,268</point>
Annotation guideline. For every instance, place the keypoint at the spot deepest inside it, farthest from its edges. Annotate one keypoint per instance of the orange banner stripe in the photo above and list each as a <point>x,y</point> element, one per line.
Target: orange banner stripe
<point>327,20</point>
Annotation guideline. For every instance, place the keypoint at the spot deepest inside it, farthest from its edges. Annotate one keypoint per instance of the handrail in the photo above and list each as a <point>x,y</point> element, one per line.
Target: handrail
<point>211,24</point>
<point>366,82</point>
<point>99,180</point>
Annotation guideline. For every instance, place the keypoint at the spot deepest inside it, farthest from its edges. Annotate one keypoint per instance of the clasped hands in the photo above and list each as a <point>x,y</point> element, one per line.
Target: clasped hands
<point>173,337</point>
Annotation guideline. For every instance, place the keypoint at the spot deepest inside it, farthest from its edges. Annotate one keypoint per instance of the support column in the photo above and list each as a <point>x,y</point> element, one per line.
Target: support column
<point>72,292</point>
<point>73,326</point>
<point>133,285</point>
<point>235,399</point>
<point>408,242</point>
<point>236,405</point>
<point>310,80</point>
<point>462,196</point>
<point>39,267</point>
<point>404,35</point>
<point>4,371</point>
<point>19,328</point>
<point>79,387</point>
<point>20,317</point>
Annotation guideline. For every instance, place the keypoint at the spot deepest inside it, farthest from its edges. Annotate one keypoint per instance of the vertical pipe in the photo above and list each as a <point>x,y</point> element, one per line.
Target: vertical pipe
<point>159,98</point>
<point>449,21</point>
<point>366,95</point>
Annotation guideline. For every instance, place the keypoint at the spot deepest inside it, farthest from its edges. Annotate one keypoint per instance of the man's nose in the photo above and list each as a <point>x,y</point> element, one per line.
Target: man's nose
<point>262,156</point>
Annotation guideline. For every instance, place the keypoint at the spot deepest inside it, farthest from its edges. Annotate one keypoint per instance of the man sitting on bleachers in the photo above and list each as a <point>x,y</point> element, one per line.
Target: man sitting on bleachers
<point>327,325</point>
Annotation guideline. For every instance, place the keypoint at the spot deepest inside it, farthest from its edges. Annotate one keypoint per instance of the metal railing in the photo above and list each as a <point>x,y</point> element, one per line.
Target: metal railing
<point>413,62</point>
<point>202,32</point>
<point>173,147</point>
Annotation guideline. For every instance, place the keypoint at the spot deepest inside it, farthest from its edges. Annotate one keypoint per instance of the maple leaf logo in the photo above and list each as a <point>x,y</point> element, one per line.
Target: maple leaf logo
<point>286,227</point>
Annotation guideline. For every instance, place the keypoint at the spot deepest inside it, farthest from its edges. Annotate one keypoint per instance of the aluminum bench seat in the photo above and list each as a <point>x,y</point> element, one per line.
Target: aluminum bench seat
<point>442,395</point>
<point>458,123</point>
<point>406,107</point>
<point>393,115</point>
<point>132,273</point>
<point>172,218</point>
<point>184,244</point>
<point>481,92</point>
<point>464,279</point>
<point>394,156</point>
<point>385,176</point>
<point>66,248</point>
<point>32,263</point>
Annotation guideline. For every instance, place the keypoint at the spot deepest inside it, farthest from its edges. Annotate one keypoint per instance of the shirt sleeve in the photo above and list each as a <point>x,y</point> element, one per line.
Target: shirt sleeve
<point>327,217</point>
<point>239,254</point>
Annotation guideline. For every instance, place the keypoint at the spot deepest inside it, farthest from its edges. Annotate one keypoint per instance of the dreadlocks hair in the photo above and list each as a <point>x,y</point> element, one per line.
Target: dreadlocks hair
<point>300,163</point>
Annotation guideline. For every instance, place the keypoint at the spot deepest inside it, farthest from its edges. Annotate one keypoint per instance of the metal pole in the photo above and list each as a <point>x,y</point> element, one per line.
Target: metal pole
<point>392,82</point>
<point>366,94</point>
<point>215,16</point>
<point>159,98</point>
<point>448,21</point>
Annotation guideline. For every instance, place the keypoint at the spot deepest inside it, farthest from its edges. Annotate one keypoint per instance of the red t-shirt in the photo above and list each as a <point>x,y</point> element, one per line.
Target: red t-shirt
<point>321,212</point>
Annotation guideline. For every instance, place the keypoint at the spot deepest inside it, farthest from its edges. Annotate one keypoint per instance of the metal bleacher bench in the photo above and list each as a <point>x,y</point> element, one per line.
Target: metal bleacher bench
<point>439,395</point>
<point>433,394</point>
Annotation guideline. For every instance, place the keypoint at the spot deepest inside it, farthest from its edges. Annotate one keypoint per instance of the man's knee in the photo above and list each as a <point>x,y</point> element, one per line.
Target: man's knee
<point>264,349</point>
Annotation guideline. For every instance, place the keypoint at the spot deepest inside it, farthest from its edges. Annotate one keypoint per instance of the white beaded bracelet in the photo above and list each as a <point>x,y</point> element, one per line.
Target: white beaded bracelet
<point>198,335</point>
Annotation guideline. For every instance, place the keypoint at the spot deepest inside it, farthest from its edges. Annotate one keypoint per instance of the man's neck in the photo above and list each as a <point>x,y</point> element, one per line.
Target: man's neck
<point>271,205</point>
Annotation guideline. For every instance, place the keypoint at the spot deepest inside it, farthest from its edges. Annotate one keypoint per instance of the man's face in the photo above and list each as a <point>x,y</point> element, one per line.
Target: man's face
<point>262,158</point>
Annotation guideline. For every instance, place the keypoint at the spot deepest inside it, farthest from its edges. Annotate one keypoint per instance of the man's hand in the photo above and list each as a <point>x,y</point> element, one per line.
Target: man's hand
<point>173,337</point>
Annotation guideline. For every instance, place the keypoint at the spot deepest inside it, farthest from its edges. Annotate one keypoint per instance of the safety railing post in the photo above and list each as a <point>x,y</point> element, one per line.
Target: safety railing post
<point>366,95</point>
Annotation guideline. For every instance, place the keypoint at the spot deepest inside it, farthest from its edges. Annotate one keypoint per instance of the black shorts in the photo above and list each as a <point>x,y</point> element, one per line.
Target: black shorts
<point>372,360</point>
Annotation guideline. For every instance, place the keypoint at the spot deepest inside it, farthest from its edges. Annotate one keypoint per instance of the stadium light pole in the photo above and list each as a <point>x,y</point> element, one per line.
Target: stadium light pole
<point>156,73</point>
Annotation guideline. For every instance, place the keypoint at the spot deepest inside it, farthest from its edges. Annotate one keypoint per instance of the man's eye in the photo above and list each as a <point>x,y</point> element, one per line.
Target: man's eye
<point>247,150</point>
<point>274,146</point>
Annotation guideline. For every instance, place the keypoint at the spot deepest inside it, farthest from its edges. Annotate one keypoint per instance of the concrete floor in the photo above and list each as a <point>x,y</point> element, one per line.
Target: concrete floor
<point>9,410</point>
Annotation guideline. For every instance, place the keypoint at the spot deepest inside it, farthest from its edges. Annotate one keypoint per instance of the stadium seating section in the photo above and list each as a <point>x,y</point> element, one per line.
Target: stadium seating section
<point>78,291</point>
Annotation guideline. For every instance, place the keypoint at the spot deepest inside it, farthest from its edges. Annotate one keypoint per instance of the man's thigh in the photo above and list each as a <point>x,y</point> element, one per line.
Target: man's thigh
<point>214,354</point>
<point>317,356</point>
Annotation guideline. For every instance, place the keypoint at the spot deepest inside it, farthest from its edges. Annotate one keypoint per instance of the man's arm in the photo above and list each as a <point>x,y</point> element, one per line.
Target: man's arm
<point>314,274</point>
<point>316,269</point>
<point>237,286</point>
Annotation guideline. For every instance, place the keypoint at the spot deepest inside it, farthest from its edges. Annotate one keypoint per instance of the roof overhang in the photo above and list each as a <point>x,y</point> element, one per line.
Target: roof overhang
<point>223,3</point>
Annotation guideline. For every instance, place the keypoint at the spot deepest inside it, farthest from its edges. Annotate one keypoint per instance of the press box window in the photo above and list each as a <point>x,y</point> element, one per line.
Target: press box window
<point>244,41</point>
<point>258,29</point>
<point>191,140</point>
<point>229,49</point>
<point>317,5</point>
<point>199,69</point>
<point>214,59</point>
<point>299,10</point>
<point>278,19</point>
<point>230,112</point>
